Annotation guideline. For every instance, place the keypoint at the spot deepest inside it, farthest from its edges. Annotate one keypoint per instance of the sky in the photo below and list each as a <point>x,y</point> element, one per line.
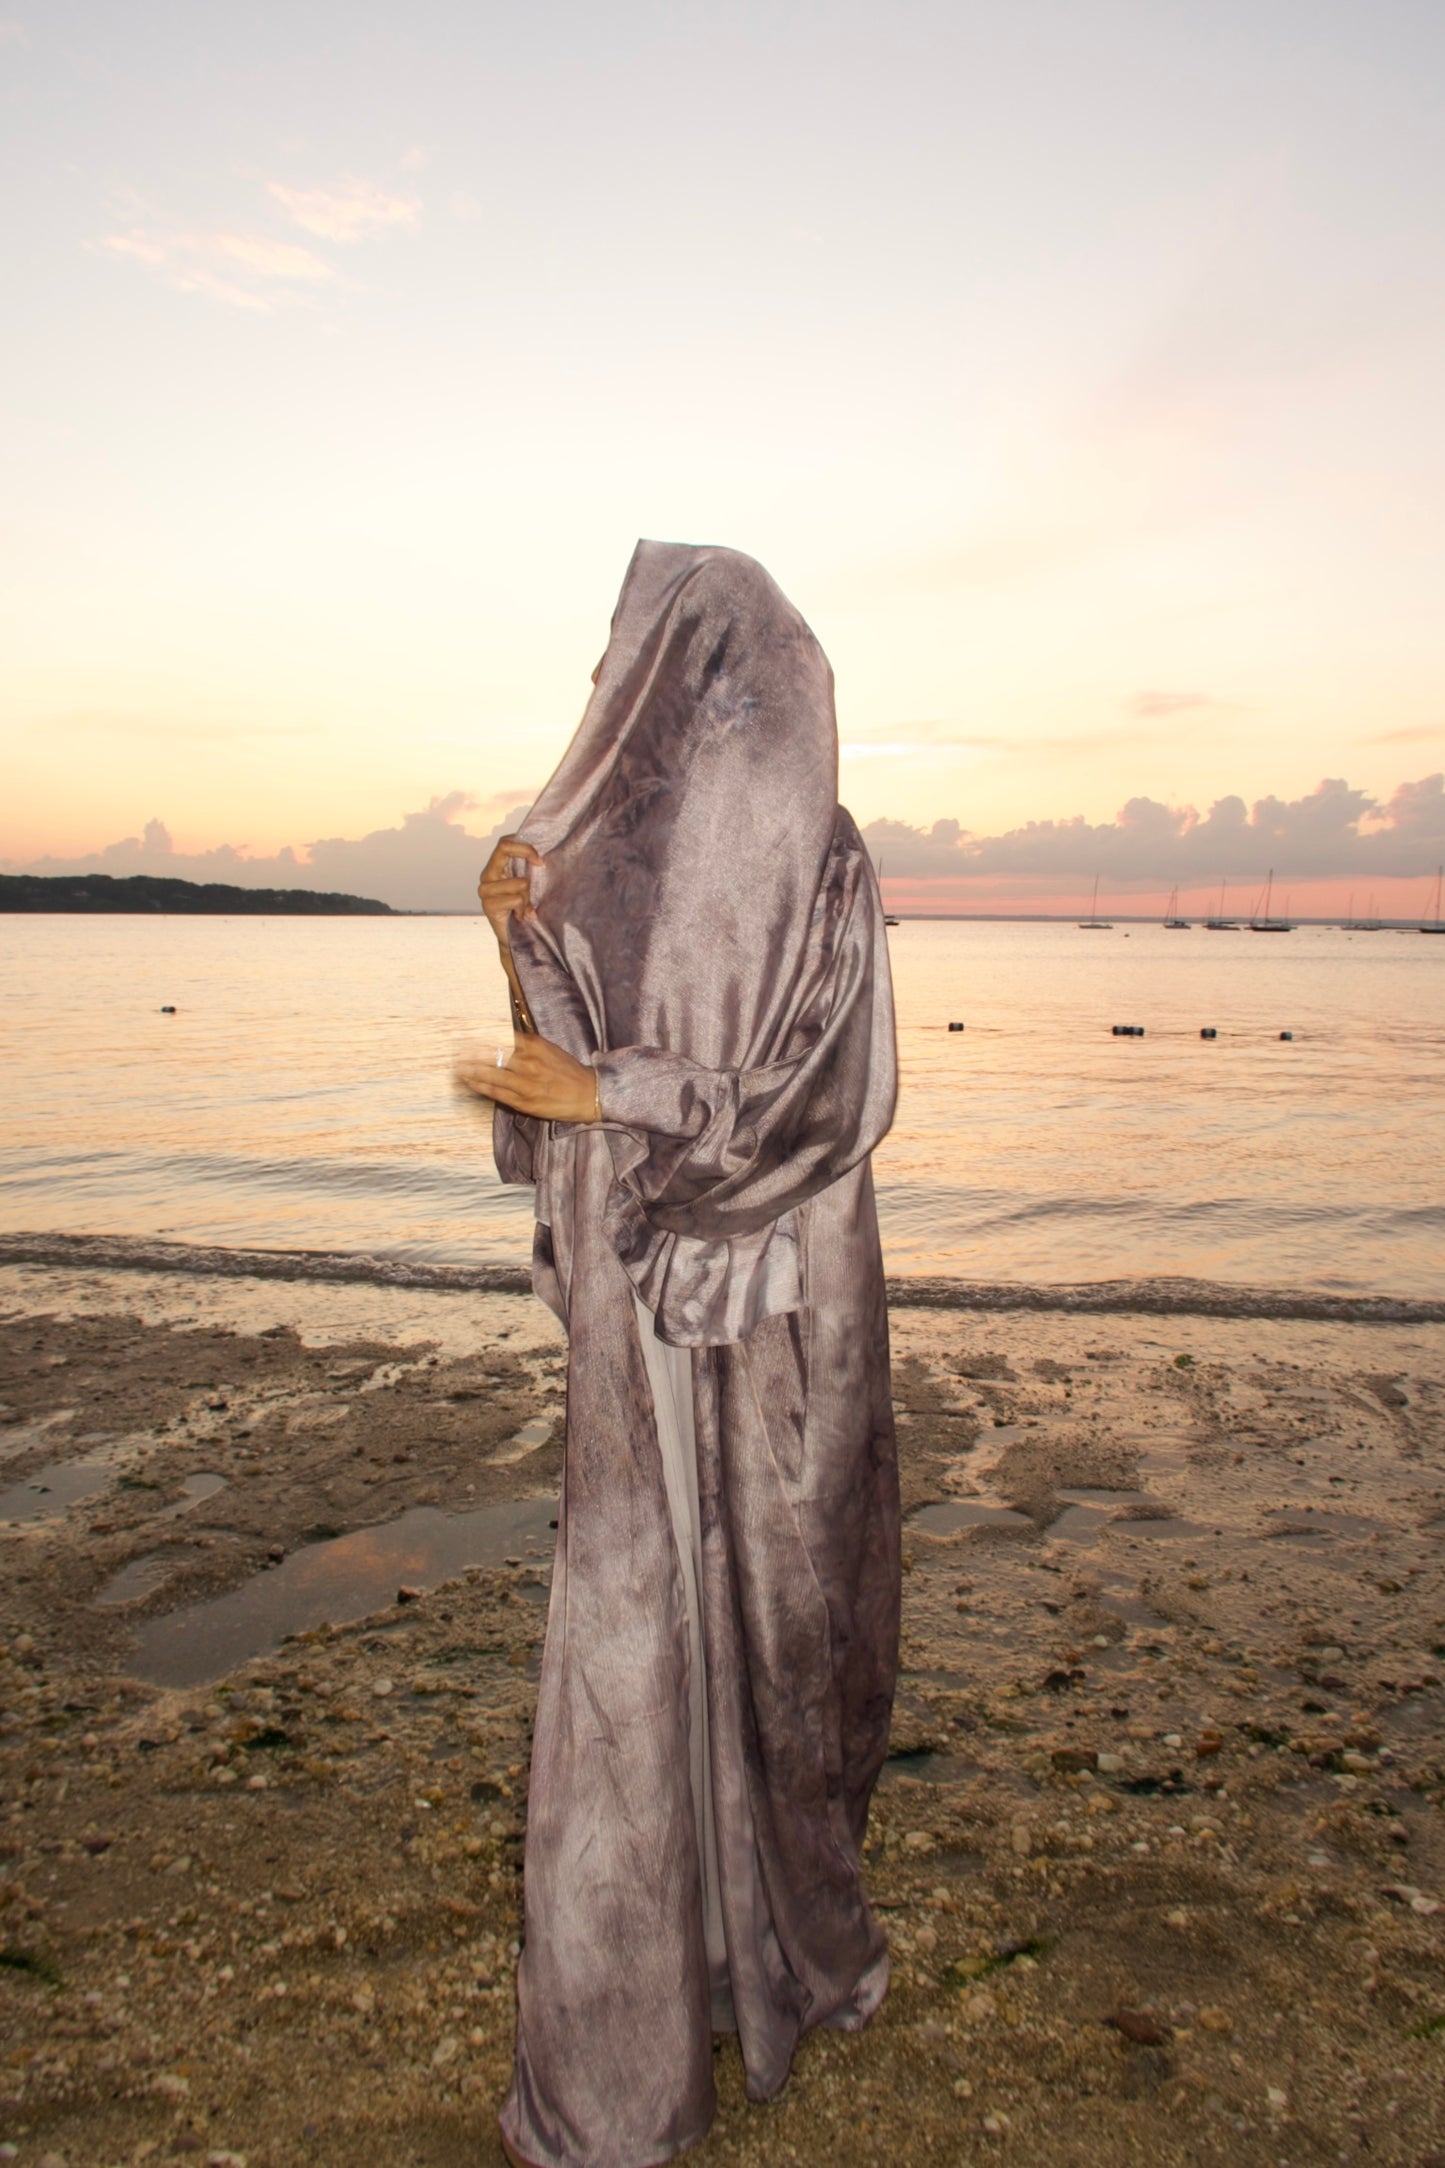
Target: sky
<point>1073,365</point>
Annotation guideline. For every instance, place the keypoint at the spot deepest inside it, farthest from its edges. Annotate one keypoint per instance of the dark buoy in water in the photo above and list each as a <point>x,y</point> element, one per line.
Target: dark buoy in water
<point>1286,1034</point>
<point>168,1008</point>
<point>1207,1031</point>
<point>955,1027</point>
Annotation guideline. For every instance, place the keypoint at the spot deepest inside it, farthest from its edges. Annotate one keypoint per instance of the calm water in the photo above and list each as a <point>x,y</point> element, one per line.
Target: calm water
<point>300,1097</point>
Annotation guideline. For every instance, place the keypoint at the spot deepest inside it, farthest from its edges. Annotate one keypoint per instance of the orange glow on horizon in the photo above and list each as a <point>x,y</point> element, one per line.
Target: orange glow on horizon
<point>1398,900</point>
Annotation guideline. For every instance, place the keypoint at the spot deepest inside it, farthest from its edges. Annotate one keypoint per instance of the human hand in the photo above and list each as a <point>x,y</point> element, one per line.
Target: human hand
<point>536,1078</point>
<point>504,893</point>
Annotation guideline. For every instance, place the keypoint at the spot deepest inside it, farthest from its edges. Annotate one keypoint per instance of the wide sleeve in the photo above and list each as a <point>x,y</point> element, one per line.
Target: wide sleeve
<point>721,1153</point>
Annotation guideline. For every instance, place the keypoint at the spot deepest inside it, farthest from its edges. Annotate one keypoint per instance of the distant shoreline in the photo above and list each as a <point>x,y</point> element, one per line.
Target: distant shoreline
<point>149,894</point>
<point>154,895</point>
<point>1164,1296</point>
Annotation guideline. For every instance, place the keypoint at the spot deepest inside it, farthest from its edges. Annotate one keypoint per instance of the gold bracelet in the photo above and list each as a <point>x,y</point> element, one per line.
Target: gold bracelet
<point>597,1096</point>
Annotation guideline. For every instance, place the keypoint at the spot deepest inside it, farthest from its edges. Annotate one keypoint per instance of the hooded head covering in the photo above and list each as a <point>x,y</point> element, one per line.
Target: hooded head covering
<point>708,931</point>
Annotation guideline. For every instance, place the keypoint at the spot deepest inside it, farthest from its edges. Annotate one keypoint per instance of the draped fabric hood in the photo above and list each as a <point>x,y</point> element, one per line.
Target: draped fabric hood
<point>708,931</point>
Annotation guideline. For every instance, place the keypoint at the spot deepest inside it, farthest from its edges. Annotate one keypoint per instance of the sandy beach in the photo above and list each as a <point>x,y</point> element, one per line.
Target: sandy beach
<point>1160,1845</point>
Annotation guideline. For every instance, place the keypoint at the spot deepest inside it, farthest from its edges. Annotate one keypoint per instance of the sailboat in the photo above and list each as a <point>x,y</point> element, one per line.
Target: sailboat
<point>1261,921</point>
<point>1093,923</point>
<point>1219,923</point>
<point>886,919</point>
<point>1171,916</point>
<point>1438,924</point>
<point>1368,924</point>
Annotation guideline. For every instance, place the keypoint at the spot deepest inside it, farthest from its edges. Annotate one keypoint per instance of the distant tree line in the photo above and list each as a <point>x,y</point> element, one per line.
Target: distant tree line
<point>149,892</point>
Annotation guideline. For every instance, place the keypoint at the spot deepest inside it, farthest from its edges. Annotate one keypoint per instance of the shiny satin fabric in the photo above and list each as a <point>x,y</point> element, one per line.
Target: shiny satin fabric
<point>709,932</point>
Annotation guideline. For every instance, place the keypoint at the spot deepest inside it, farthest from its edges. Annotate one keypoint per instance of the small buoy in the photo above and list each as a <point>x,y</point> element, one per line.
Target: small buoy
<point>1207,1031</point>
<point>168,1008</point>
<point>1286,1034</point>
<point>955,1027</point>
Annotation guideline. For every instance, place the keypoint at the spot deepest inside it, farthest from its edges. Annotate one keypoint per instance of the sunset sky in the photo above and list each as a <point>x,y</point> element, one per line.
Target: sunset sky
<point>1074,365</point>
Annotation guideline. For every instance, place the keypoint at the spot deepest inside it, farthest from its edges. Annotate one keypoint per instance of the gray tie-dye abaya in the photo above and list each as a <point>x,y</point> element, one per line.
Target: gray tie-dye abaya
<point>708,931</point>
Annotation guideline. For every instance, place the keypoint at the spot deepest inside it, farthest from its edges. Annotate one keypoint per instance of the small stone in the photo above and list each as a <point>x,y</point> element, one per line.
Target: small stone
<point>1208,1742</point>
<point>927,1938</point>
<point>446,2051</point>
<point>1140,2027</point>
<point>918,1840</point>
<point>383,1686</point>
<point>978,2007</point>
<point>1171,1738</point>
<point>1277,2098</point>
<point>962,2090</point>
<point>1179,1920</point>
<point>1021,1838</point>
<point>1109,1765</point>
<point>170,2084</point>
<point>257,1783</point>
<point>1215,2020</point>
<point>996,2126</point>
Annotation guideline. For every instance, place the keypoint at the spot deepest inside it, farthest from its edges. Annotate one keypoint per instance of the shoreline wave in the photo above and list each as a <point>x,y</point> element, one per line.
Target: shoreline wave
<point>1159,1297</point>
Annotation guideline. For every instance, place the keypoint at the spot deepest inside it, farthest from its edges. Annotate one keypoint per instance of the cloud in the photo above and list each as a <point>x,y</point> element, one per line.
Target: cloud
<point>1417,734</point>
<point>1332,832</point>
<point>14,33</point>
<point>245,271</point>
<point>430,860</point>
<point>427,863</point>
<point>914,739</point>
<point>1150,704</point>
<point>257,271</point>
<point>348,211</point>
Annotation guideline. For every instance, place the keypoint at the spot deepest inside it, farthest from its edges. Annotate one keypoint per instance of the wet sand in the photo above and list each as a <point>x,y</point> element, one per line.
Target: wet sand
<point>1160,1845</point>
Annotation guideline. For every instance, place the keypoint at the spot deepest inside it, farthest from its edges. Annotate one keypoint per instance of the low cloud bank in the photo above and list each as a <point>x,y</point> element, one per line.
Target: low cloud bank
<point>1334,833</point>
<point>430,862</point>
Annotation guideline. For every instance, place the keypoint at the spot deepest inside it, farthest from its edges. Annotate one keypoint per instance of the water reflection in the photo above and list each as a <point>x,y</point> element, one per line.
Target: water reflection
<point>341,1579</point>
<point>50,1490</point>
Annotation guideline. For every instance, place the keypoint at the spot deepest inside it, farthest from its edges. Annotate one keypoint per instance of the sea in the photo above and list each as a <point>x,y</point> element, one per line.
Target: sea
<point>284,1084</point>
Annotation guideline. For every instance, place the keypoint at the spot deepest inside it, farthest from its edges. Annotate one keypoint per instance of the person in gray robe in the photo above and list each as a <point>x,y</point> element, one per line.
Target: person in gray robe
<point>704,1061</point>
